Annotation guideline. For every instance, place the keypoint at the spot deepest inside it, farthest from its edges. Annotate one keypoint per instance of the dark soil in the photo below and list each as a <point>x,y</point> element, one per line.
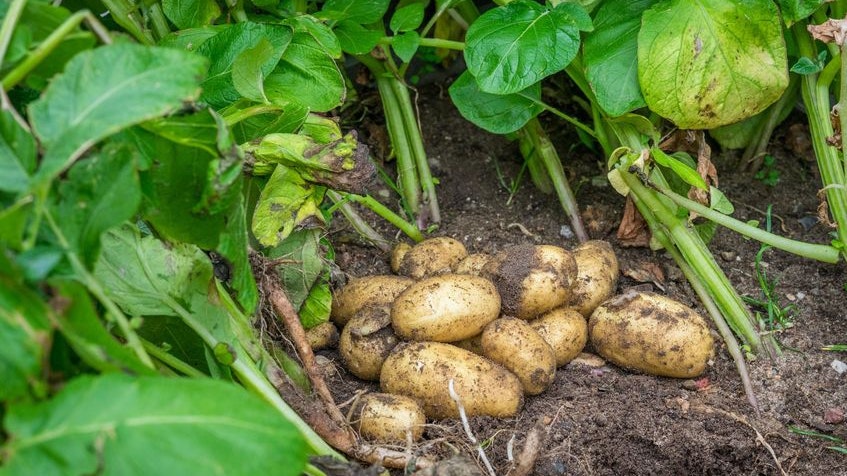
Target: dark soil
<point>607,421</point>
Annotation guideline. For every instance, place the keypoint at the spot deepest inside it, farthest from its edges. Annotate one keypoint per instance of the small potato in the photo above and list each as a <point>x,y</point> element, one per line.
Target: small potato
<point>322,336</point>
<point>651,333</point>
<point>423,370</point>
<point>374,290</point>
<point>597,275</point>
<point>366,341</point>
<point>514,344</point>
<point>473,344</point>
<point>397,254</point>
<point>445,308</point>
<point>532,279</point>
<point>432,256</point>
<point>472,264</point>
<point>386,418</point>
<point>565,330</point>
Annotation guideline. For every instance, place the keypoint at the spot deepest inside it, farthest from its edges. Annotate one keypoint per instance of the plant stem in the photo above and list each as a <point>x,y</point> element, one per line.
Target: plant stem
<point>170,360</point>
<point>126,15</point>
<point>430,42</point>
<point>7,29</point>
<point>751,160</point>
<point>375,206</point>
<point>248,112</point>
<point>160,23</point>
<point>570,120</point>
<point>359,224</point>
<point>824,253</point>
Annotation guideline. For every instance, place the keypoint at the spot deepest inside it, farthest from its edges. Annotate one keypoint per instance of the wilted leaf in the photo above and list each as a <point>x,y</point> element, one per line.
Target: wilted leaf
<point>285,200</point>
<point>303,278</point>
<point>500,114</point>
<point>633,230</point>
<point>103,424</point>
<point>706,64</point>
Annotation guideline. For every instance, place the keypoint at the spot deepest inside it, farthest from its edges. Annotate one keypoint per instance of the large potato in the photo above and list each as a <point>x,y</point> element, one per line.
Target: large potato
<point>652,334</point>
<point>366,341</point>
<point>445,308</point>
<point>386,418</point>
<point>565,330</point>
<point>423,370</point>
<point>432,256</point>
<point>597,275</point>
<point>472,264</point>
<point>532,279</point>
<point>366,291</point>
<point>514,344</point>
<point>397,254</point>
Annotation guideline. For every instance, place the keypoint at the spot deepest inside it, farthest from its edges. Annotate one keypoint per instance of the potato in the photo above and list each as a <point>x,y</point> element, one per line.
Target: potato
<point>652,334</point>
<point>366,291</point>
<point>322,336</point>
<point>397,254</point>
<point>565,330</point>
<point>514,344</point>
<point>445,308</point>
<point>472,264</point>
<point>386,418</point>
<point>423,370</point>
<point>532,279</point>
<point>597,275</point>
<point>473,344</point>
<point>366,341</point>
<point>432,256</point>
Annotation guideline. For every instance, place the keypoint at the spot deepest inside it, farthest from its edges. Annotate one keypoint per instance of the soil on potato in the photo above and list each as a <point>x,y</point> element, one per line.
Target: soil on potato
<point>602,420</point>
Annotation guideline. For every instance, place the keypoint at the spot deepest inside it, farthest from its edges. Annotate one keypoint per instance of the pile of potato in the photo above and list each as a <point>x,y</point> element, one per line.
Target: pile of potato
<point>498,326</point>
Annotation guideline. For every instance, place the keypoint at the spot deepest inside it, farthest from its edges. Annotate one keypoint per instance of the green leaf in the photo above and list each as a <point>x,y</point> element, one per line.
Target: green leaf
<point>260,125</point>
<point>683,170</point>
<point>101,192</point>
<point>25,339</point>
<point>17,154</point>
<point>191,38</point>
<point>13,221</point>
<point>356,39</point>
<point>405,45</point>
<point>407,18</point>
<point>102,424</point>
<point>307,76</point>
<point>609,55</point>
<point>805,65</point>
<point>359,11</point>
<point>305,280</point>
<point>191,13</point>
<point>247,75</point>
<point>319,31</point>
<point>719,202</point>
<point>704,64</point>
<point>500,114</point>
<point>512,47</point>
<point>795,10</point>
<point>225,48</point>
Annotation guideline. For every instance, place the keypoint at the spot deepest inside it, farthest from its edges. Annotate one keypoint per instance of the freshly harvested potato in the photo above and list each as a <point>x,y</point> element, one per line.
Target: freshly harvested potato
<point>432,256</point>
<point>322,336</point>
<point>473,344</point>
<point>565,330</point>
<point>386,418</point>
<point>397,254</point>
<point>514,344</point>
<point>532,279</point>
<point>472,264</point>
<point>597,275</point>
<point>423,370</point>
<point>445,308</point>
<point>374,290</point>
<point>366,341</point>
<point>651,333</point>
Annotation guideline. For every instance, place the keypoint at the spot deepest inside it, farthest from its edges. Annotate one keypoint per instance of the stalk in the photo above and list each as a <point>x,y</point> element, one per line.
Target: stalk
<point>168,359</point>
<point>126,15</point>
<point>751,160</point>
<point>13,14</point>
<point>371,203</point>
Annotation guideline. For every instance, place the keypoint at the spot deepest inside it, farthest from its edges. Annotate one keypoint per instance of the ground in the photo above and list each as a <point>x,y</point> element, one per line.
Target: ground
<point>607,421</point>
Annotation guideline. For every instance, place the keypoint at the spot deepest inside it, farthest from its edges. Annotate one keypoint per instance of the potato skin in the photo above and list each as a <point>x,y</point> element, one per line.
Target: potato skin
<point>514,344</point>
<point>472,264</point>
<point>565,330</point>
<point>532,279</point>
<point>365,291</point>
<point>597,275</point>
<point>431,257</point>
<point>397,254</point>
<point>322,336</point>
<point>386,418</point>
<point>366,341</point>
<point>445,308</point>
<point>423,370</point>
<point>652,334</point>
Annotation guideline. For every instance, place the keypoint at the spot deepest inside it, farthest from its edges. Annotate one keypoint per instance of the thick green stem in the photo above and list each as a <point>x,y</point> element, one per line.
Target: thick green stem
<point>7,29</point>
<point>158,20</point>
<point>753,156</point>
<point>371,203</point>
<point>430,42</point>
<point>359,224</point>
<point>168,359</point>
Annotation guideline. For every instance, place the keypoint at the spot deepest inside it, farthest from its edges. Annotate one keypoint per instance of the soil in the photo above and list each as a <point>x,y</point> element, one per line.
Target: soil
<point>600,419</point>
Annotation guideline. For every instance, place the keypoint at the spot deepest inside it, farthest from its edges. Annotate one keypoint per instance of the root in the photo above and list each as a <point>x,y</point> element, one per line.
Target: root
<point>535,441</point>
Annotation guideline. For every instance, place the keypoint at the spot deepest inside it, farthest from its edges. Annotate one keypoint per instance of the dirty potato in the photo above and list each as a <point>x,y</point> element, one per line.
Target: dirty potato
<point>386,418</point>
<point>397,254</point>
<point>423,371</point>
<point>597,275</point>
<point>565,330</point>
<point>514,344</point>
<point>651,333</point>
<point>374,290</point>
<point>322,336</point>
<point>366,341</point>
<point>431,257</point>
<point>472,264</point>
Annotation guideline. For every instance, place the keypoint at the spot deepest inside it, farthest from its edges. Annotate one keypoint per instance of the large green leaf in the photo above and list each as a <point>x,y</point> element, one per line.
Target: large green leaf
<point>307,76</point>
<point>286,201</point>
<point>512,47</point>
<point>359,11</point>
<point>500,114</point>
<point>191,13</point>
<point>101,192</point>
<point>94,98</point>
<point>609,55</point>
<point>24,339</point>
<point>704,64</point>
<point>356,39</point>
<point>119,425</point>
<point>318,30</point>
<point>794,10</point>
<point>225,48</point>
<point>17,154</point>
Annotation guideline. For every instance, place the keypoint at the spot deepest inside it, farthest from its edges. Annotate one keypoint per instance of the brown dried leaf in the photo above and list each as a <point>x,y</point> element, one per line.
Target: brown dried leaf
<point>831,31</point>
<point>646,272</point>
<point>633,230</point>
<point>706,169</point>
